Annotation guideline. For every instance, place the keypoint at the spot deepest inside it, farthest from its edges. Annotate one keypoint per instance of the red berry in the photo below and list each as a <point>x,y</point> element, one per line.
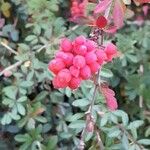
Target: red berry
<point>66,57</point>
<point>74,83</point>
<point>79,61</point>
<point>94,67</point>
<point>101,22</point>
<point>58,84</point>
<point>91,45</point>
<point>101,56</point>
<point>61,54</point>
<point>85,72</point>
<point>74,71</point>
<point>64,76</point>
<point>56,65</point>
<point>111,51</point>
<point>66,45</point>
<point>80,50</point>
<point>90,57</point>
<point>80,40</point>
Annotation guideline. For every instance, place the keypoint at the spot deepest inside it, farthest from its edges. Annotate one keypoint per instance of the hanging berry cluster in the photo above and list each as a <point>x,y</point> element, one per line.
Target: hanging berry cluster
<point>78,8</point>
<point>78,60</point>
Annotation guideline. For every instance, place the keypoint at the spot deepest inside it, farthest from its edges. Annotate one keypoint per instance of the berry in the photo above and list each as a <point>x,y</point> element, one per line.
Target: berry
<point>74,71</point>
<point>66,45</point>
<point>74,83</point>
<point>101,22</point>
<point>94,67</point>
<point>59,84</point>
<point>79,61</point>
<point>66,57</point>
<point>101,56</point>
<point>85,72</point>
<point>80,40</point>
<point>91,45</point>
<point>90,57</point>
<point>111,51</point>
<point>64,76</point>
<point>56,65</point>
<point>80,50</point>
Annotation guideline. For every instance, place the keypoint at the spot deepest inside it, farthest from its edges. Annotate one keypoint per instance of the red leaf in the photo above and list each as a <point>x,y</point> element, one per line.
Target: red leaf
<point>118,13</point>
<point>109,95</point>
<point>102,6</point>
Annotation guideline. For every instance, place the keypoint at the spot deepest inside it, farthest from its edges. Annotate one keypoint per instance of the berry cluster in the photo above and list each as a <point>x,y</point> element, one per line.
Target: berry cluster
<point>78,60</point>
<point>78,8</point>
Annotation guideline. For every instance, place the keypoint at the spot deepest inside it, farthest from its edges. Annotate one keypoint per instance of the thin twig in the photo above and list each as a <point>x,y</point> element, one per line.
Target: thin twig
<point>89,116</point>
<point>129,136</point>
<point>141,71</point>
<point>11,67</point>
<point>99,140</point>
<point>9,48</point>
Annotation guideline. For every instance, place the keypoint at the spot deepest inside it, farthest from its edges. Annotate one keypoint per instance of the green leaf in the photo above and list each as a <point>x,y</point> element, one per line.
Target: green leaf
<point>104,120</point>
<point>41,96</point>
<point>31,124</point>
<point>26,84</point>
<point>132,58</point>
<point>135,124</point>
<point>52,143</point>
<point>10,91</point>
<point>22,137</point>
<point>22,99</point>
<point>41,119</point>
<point>30,38</point>
<point>74,117</point>
<point>68,92</point>
<point>125,142</point>
<point>77,124</point>
<point>81,103</point>
<point>144,141</point>
<point>114,132</point>
<point>6,119</point>
<point>123,115</point>
<point>106,73</point>
<point>21,109</point>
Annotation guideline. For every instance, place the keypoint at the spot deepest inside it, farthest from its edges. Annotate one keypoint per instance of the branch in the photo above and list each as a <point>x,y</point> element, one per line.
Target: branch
<point>11,67</point>
<point>89,116</point>
<point>9,48</point>
<point>130,136</point>
<point>141,72</point>
<point>99,140</point>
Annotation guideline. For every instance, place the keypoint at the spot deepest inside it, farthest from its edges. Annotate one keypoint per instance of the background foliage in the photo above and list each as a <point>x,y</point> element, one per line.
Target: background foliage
<point>35,116</point>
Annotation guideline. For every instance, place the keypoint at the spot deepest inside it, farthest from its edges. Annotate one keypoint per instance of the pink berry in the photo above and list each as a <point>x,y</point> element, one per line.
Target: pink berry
<point>56,65</point>
<point>101,56</point>
<point>85,72</point>
<point>69,60</point>
<point>91,45</point>
<point>66,45</point>
<point>74,71</point>
<point>111,51</point>
<point>80,50</point>
<point>94,67</point>
<point>7,73</point>
<point>79,61</point>
<point>58,84</point>
<point>80,40</point>
<point>90,57</point>
<point>74,83</point>
<point>64,76</point>
<point>66,57</point>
